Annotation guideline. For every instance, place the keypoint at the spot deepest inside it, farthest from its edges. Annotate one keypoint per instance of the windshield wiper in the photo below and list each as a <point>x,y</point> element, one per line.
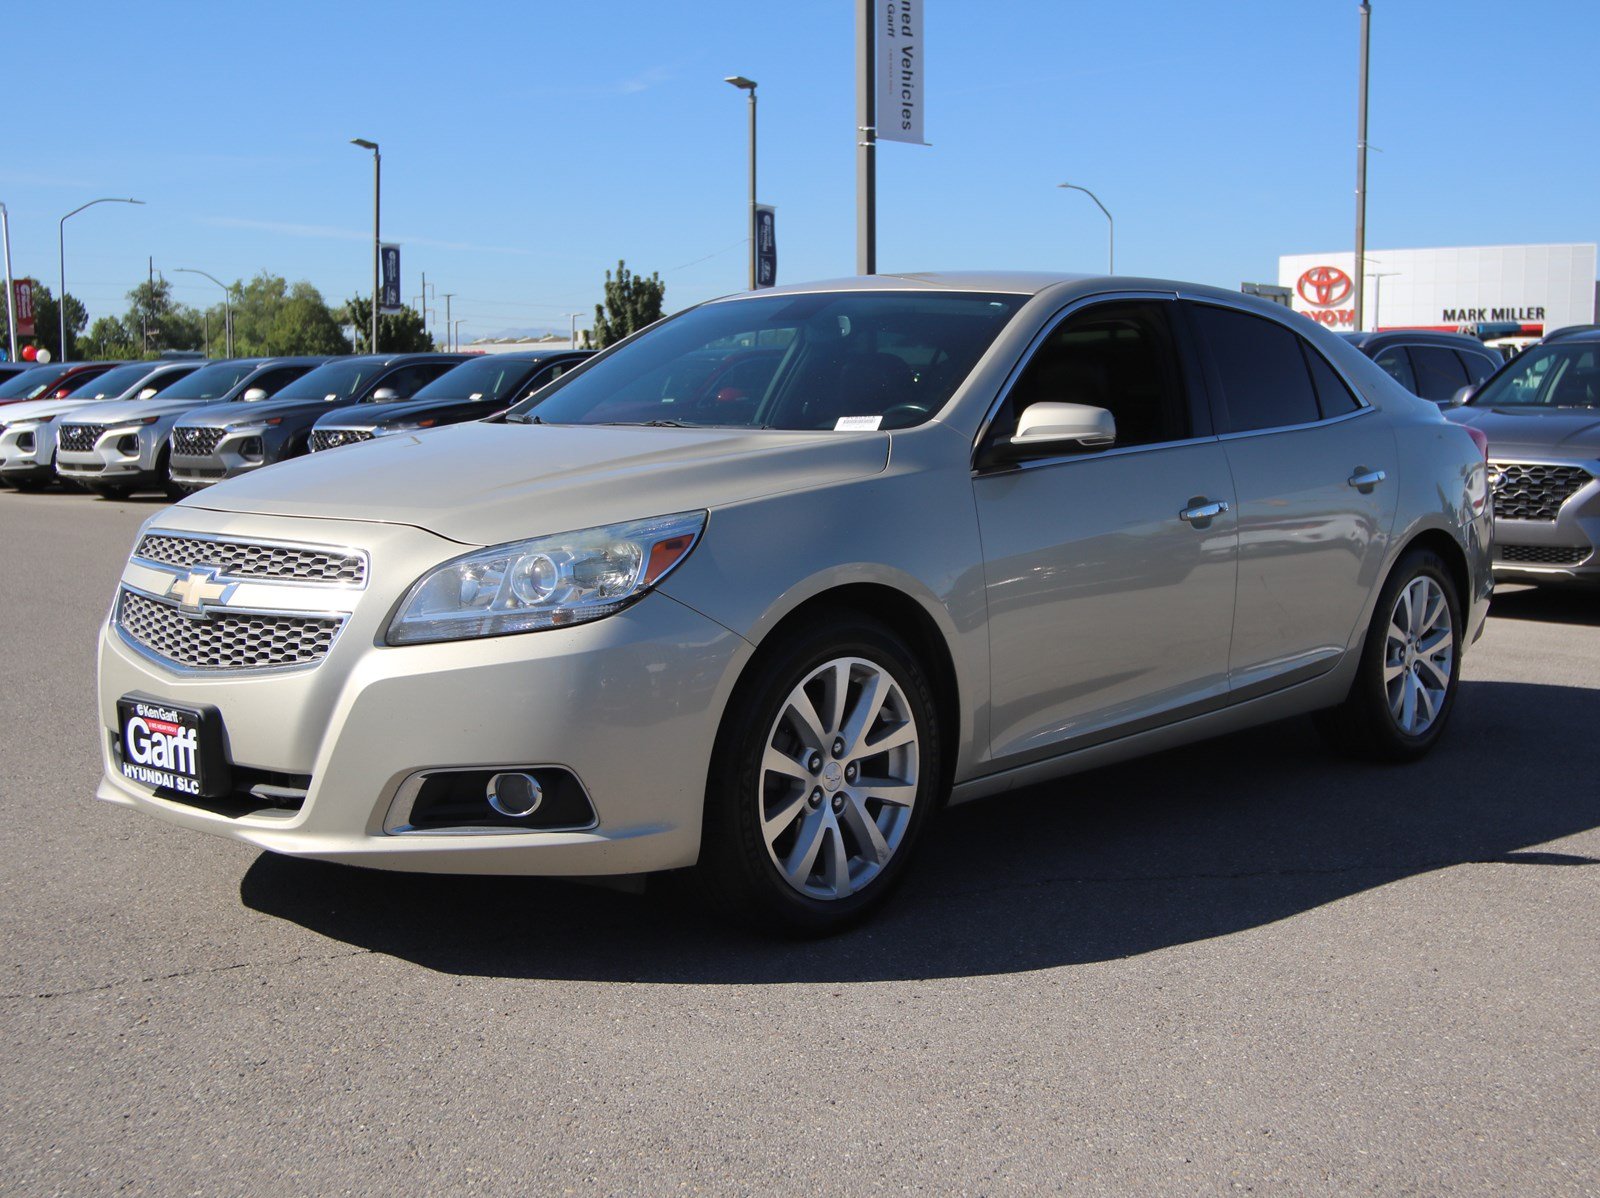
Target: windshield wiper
<point>514,418</point>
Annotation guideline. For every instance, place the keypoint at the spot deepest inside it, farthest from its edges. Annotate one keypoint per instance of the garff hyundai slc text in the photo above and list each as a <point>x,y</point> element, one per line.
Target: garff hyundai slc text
<point>972,531</point>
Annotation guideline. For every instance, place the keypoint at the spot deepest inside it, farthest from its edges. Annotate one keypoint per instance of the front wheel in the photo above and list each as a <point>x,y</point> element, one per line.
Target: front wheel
<point>1405,685</point>
<point>826,769</point>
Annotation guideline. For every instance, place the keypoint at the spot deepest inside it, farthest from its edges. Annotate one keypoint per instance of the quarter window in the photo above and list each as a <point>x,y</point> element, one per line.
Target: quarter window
<point>1393,362</point>
<point>1333,397</point>
<point>1117,356</point>
<point>1439,372</point>
<point>1479,366</point>
<point>1263,374</point>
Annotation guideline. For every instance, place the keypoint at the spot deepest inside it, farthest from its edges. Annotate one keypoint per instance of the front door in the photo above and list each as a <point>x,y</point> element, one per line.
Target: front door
<point>1109,611</point>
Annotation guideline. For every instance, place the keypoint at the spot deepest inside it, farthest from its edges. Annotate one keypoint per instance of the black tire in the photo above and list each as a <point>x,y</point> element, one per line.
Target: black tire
<point>29,484</point>
<point>735,868</point>
<point>1364,726</point>
<point>111,492</point>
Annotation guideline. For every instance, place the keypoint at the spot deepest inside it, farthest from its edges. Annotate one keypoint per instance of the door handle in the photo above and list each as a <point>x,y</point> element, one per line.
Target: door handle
<point>1202,511</point>
<point>1364,480</point>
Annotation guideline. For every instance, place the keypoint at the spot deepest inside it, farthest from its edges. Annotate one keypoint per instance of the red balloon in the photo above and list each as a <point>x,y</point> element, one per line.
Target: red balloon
<point>29,353</point>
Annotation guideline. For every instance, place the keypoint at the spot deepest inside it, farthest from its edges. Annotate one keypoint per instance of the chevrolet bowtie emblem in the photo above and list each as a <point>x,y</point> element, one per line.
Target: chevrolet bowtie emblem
<point>198,589</point>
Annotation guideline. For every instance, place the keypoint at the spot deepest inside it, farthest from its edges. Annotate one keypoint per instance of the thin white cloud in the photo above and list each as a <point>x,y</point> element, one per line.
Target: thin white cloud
<point>644,80</point>
<point>291,229</point>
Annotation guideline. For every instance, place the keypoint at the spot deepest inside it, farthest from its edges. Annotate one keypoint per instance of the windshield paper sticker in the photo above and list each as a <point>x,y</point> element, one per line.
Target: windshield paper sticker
<point>857,424</point>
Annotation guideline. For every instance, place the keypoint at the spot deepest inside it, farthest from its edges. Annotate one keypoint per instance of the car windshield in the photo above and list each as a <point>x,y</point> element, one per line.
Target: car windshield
<point>31,382</point>
<point>209,382</point>
<point>336,380</point>
<point>1563,375</point>
<point>489,379</point>
<point>836,360</point>
<point>113,382</point>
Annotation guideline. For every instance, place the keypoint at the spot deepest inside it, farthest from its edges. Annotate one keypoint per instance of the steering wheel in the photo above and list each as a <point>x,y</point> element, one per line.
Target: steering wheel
<point>918,411</point>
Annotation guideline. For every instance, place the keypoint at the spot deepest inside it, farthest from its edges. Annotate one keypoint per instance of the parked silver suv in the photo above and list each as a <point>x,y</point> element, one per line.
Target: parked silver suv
<point>958,534</point>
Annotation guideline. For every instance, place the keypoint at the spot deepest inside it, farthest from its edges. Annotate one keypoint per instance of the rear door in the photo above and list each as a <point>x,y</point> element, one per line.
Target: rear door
<point>1315,474</point>
<point>1108,611</point>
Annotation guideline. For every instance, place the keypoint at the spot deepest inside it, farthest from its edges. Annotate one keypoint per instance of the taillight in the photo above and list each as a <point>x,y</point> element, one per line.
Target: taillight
<point>1479,439</point>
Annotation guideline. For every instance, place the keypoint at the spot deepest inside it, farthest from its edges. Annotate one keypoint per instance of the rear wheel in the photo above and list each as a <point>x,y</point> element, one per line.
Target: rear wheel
<point>827,768</point>
<point>1405,686</point>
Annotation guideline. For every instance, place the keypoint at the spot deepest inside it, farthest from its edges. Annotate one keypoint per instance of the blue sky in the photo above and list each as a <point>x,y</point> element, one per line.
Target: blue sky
<point>528,146</point>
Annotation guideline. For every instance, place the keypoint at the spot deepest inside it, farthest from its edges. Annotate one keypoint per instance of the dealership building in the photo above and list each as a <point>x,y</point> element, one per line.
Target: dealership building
<point>1535,287</point>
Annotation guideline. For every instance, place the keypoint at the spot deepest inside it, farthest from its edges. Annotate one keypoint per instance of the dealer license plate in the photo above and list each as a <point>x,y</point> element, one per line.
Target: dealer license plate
<point>172,748</point>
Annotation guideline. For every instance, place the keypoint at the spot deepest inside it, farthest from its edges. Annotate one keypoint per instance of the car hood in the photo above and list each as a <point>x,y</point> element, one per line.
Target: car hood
<point>1564,432</point>
<point>482,484</point>
<point>370,415</point>
<point>219,413</point>
<point>33,409</point>
<point>118,411</point>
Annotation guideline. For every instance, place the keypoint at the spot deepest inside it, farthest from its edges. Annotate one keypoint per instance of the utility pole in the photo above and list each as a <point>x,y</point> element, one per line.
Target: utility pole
<point>424,304</point>
<point>1361,167</point>
<point>149,302</point>
<point>448,295</point>
<point>866,142</point>
<point>11,294</point>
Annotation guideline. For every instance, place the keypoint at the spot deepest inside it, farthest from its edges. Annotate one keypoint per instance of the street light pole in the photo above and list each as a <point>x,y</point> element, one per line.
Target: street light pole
<point>448,296</point>
<point>1111,229</point>
<point>866,140</point>
<point>573,320</point>
<point>1361,164</point>
<point>61,259</point>
<point>11,294</point>
<point>227,304</point>
<point>457,333</point>
<point>1378,276</point>
<point>749,85</point>
<point>377,191</point>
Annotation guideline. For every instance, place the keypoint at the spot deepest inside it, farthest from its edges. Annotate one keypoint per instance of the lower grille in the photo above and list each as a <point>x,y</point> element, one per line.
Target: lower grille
<point>332,438</point>
<point>79,438</point>
<point>225,641</point>
<point>195,442</point>
<point>1544,555</point>
<point>1531,491</point>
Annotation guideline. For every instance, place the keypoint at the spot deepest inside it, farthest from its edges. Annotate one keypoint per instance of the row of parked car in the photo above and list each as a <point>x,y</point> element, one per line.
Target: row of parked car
<point>183,424</point>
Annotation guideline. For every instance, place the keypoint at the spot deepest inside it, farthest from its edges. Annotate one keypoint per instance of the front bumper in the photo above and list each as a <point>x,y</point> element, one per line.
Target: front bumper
<point>27,453</point>
<point>110,462</point>
<point>227,460</point>
<point>628,704</point>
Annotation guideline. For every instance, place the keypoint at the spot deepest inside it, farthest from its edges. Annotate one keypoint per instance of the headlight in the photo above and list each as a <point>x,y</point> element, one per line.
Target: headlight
<point>253,426</point>
<point>548,582</point>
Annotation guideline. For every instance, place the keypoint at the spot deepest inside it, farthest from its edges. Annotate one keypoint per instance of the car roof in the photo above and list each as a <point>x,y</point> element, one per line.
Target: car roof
<point>1383,337</point>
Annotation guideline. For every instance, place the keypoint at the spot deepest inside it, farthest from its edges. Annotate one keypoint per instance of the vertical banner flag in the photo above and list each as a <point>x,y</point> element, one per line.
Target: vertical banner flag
<point>766,245</point>
<point>390,259</point>
<point>900,70</point>
<point>24,304</point>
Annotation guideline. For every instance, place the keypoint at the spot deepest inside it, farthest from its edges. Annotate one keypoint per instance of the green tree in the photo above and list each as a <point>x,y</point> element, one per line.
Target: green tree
<point>47,323</point>
<point>399,333</point>
<point>273,317</point>
<point>160,322</point>
<point>633,302</point>
<point>109,337</point>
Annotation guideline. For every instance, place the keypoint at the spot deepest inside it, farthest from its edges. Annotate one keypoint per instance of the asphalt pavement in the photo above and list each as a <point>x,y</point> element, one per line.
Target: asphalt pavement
<point>1245,966</point>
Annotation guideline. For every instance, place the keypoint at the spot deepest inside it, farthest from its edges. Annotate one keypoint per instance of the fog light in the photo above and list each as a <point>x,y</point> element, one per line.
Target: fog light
<point>250,447</point>
<point>128,444</point>
<point>515,795</point>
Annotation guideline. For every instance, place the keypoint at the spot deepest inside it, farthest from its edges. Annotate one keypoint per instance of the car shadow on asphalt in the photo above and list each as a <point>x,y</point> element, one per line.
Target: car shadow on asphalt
<point>1548,605</point>
<point>1191,844</point>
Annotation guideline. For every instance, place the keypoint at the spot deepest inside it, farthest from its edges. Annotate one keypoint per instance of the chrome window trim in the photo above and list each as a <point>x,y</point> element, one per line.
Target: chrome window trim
<point>273,542</point>
<point>208,613</point>
<point>397,820</point>
<point>1038,339</point>
<point>1296,428</point>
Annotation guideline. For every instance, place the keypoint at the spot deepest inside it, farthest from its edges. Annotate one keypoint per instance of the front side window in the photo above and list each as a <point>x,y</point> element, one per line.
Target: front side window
<point>1439,372</point>
<point>1261,370</point>
<point>113,382</point>
<point>1562,375</point>
<point>1394,363</point>
<point>1118,356</point>
<point>209,382</point>
<point>834,360</point>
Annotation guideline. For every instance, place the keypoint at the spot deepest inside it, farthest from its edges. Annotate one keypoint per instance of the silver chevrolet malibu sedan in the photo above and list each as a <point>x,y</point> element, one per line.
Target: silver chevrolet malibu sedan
<point>762,588</point>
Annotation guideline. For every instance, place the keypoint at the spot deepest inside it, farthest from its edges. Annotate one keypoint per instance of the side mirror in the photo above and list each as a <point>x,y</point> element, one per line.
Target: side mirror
<point>384,394</point>
<point>148,393</point>
<point>1462,396</point>
<point>1064,425</point>
<point>253,394</point>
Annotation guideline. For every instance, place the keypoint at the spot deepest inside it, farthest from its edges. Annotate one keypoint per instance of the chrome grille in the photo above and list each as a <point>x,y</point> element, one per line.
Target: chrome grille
<point>195,442</point>
<point>248,559</point>
<point>79,438</point>
<point>1544,555</point>
<point>1531,491</point>
<point>332,438</point>
<point>225,641</point>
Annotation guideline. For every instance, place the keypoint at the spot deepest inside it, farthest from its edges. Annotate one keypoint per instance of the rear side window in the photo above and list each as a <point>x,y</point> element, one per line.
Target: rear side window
<point>1394,363</point>
<point>1479,366</point>
<point>1263,375</point>
<point>1439,372</point>
<point>1333,396</point>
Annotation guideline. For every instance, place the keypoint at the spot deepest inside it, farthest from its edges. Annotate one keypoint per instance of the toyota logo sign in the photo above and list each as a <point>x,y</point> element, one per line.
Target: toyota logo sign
<point>1323,286</point>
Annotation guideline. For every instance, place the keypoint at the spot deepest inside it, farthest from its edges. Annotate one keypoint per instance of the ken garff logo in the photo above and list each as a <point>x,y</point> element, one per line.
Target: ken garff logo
<point>198,588</point>
<point>1324,286</point>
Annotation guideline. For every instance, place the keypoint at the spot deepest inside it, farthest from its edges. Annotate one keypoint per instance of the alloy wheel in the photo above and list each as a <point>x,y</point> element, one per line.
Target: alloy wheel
<point>1419,655</point>
<point>838,778</point>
